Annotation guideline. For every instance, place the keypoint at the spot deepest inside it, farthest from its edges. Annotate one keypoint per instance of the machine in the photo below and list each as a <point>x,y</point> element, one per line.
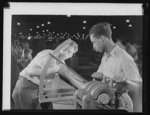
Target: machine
<point>86,94</point>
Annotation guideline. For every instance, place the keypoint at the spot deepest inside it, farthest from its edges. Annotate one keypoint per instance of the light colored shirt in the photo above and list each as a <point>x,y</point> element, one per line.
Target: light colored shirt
<point>35,67</point>
<point>120,45</point>
<point>119,62</point>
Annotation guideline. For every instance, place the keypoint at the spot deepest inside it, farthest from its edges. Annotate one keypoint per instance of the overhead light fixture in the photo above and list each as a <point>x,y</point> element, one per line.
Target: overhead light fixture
<point>42,24</point>
<point>84,27</point>
<point>18,23</point>
<point>114,27</point>
<point>29,37</point>
<point>68,15</point>
<point>48,22</point>
<point>84,22</point>
<point>130,25</point>
<point>127,20</point>
<point>37,26</point>
<point>30,29</point>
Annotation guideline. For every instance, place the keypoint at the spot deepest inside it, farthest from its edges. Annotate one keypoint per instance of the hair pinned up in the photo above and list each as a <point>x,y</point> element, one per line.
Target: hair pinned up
<point>65,44</point>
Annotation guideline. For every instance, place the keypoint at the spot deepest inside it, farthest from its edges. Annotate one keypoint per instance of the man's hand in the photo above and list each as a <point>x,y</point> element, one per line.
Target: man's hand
<point>97,75</point>
<point>120,84</point>
<point>119,78</point>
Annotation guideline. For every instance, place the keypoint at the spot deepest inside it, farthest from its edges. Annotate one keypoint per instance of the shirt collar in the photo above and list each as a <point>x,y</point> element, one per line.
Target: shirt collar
<point>112,53</point>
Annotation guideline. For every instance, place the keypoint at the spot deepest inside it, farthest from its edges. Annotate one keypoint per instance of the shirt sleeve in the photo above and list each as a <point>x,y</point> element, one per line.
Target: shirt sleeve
<point>37,64</point>
<point>100,68</point>
<point>131,71</point>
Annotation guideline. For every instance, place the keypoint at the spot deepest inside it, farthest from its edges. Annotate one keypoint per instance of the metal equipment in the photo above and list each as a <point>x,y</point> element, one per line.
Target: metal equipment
<point>86,95</point>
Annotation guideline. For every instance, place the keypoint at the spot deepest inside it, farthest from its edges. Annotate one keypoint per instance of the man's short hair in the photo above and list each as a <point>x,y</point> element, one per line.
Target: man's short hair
<point>101,29</point>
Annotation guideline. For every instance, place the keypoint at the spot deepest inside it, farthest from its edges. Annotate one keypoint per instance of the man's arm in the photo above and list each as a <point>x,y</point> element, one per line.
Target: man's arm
<point>131,73</point>
<point>134,81</point>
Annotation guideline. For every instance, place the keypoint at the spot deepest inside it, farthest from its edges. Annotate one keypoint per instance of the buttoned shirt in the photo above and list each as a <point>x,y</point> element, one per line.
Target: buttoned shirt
<point>119,62</point>
<point>36,66</point>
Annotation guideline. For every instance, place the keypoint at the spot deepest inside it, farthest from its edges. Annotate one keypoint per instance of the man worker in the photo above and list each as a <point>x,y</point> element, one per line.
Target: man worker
<point>116,63</point>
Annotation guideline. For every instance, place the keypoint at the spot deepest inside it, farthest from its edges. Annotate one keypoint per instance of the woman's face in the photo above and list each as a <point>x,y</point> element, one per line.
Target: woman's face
<point>67,53</point>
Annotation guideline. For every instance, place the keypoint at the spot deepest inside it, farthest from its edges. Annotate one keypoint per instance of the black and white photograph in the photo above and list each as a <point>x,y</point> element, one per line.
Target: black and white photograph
<point>73,56</point>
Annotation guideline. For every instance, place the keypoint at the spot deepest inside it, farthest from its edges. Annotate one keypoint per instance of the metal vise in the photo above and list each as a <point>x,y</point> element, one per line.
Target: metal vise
<point>98,95</point>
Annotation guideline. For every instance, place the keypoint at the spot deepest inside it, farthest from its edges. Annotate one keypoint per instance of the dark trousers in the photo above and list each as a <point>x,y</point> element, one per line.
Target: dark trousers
<point>25,94</point>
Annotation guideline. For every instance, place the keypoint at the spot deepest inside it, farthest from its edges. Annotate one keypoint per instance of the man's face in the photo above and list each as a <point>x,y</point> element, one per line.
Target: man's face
<point>98,44</point>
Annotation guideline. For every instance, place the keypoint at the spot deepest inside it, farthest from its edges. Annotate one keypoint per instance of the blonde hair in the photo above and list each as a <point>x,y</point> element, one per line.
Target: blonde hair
<point>72,44</point>
<point>66,45</point>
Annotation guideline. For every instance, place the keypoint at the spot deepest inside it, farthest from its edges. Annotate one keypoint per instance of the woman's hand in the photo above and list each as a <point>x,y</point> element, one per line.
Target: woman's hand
<point>62,67</point>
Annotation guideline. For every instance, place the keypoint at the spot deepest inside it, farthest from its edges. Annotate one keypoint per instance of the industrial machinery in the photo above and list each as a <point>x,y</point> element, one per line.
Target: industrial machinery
<point>86,94</point>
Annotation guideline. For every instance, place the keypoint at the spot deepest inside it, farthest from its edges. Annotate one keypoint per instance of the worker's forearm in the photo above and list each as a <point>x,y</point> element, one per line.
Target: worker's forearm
<point>134,85</point>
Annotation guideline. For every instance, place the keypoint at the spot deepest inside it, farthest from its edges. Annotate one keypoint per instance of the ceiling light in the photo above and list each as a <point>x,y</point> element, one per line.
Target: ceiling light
<point>84,21</point>
<point>127,20</point>
<point>114,27</point>
<point>130,25</point>
<point>84,27</point>
<point>18,23</point>
<point>48,22</point>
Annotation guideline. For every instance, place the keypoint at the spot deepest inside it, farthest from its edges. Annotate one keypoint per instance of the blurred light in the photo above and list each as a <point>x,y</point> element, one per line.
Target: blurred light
<point>37,26</point>
<point>30,29</point>
<point>48,22</point>
<point>47,30</point>
<point>42,24</point>
<point>18,23</point>
<point>84,21</point>
<point>127,20</point>
<point>29,37</point>
<point>84,27</point>
<point>130,25</point>
<point>37,32</point>
<point>20,33</point>
<point>68,15</point>
<point>75,36</point>
<point>82,36</point>
<point>86,36</point>
<point>114,27</point>
<point>43,31</point>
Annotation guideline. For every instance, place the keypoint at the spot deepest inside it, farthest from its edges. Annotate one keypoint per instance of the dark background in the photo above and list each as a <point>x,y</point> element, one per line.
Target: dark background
<point>86,60</point>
